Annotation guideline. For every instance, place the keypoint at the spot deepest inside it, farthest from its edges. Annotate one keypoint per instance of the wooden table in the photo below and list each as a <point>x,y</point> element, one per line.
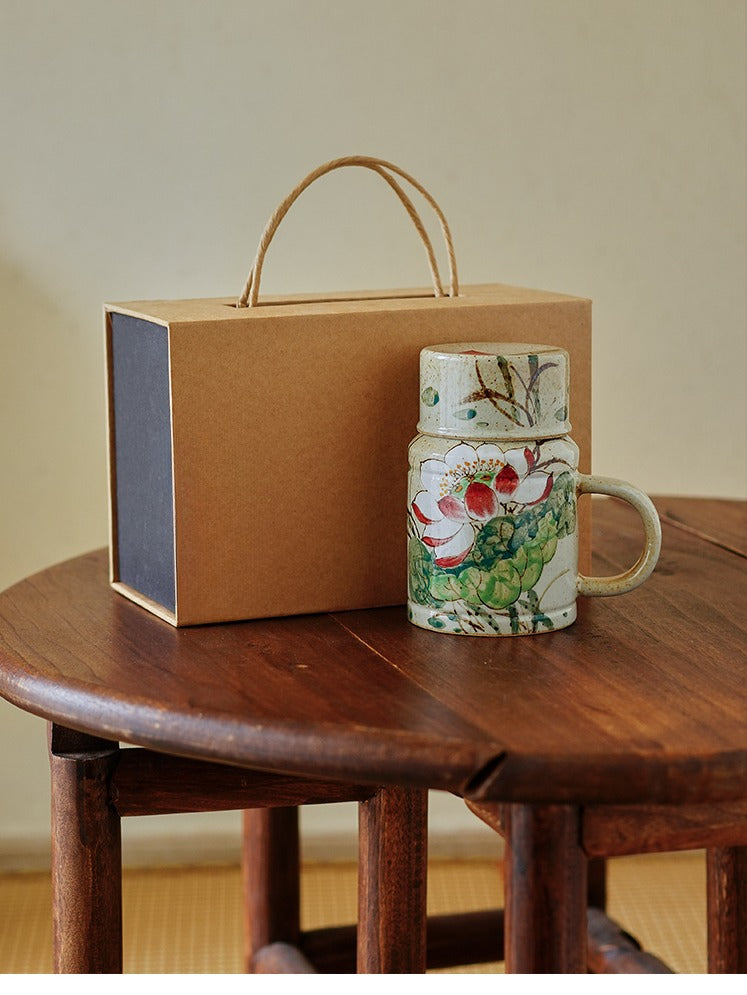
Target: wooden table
<point>624,732</point>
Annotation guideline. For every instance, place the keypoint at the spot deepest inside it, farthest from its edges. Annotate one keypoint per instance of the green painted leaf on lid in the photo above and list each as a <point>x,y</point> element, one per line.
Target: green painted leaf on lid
<point>430,397</point>
<point>465,414</point>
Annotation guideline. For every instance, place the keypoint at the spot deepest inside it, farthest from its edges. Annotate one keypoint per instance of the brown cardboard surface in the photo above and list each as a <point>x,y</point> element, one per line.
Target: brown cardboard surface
<point>290,428</point>
<point>413,298</point>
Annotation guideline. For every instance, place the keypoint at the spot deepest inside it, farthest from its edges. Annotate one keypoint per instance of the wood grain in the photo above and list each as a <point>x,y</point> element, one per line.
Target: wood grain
<point>86,863</point>
<point>392,874</point>
<point>596,870</point>
<point>727,910</point>
<point>147,783</point>
<point>477,938</point>
<point>451,939</point>
<point>296,695</point>
<point>617,830</point>
<point>643,698</point>
<point>718,521</point>
<point>625,731</point>
<point>545,907</point>
<point>271,877</point>
<point>641,701</point>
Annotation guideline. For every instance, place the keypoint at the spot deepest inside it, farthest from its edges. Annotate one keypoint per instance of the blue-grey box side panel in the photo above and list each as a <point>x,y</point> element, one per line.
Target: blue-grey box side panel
<point>144,506</point>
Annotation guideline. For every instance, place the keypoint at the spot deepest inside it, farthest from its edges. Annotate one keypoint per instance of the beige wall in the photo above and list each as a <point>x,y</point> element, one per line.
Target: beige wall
<point>595,147</point>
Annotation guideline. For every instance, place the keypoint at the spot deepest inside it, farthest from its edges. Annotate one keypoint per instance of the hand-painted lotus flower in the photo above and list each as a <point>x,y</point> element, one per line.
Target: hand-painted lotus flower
<point>469,487</point>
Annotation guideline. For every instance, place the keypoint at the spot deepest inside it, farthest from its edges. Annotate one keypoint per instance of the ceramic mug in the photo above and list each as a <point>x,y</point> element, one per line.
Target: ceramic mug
<point>493,492</point>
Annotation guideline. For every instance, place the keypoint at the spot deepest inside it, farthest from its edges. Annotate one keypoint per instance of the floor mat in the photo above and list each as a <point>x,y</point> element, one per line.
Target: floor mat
<point>188,920</point>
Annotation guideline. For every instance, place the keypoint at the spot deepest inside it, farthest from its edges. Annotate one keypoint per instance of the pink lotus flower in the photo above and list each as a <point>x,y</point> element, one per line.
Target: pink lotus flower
<point>469,487</point>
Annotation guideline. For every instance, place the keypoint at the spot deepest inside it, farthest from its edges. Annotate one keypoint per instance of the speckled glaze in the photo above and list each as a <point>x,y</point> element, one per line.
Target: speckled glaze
<point>492,495</point>
<point>470,390</point>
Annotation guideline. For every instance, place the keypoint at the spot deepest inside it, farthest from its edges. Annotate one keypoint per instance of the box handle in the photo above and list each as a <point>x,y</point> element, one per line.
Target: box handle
<point>250,294</point>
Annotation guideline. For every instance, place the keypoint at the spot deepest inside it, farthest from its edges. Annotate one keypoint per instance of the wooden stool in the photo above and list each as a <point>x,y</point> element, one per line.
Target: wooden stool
<point>95,784</point>
<point>555,888</point>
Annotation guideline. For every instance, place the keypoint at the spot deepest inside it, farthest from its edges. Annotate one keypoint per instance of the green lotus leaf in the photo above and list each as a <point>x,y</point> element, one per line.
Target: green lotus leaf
<point>419,572</point>
<point>502,586</point>
<point>562,504</point>
<point>548,549</point>
<point>520,559</point>
<point>469,585</point>
<point>525,528</point>
<point>444,587</point>
<point>546,529</point>
<point>535,561</point>
<point>493,541</point>
<point>500,528</point>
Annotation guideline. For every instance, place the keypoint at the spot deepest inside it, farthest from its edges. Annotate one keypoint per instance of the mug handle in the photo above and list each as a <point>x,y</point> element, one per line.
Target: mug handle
<point>603,587</point>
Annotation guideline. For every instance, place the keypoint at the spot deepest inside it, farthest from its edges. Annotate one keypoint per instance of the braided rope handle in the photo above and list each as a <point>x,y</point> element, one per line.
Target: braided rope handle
<point>250,293</point>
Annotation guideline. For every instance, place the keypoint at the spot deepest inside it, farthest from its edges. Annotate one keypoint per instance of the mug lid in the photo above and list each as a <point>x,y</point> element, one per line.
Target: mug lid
<point>494,390</point>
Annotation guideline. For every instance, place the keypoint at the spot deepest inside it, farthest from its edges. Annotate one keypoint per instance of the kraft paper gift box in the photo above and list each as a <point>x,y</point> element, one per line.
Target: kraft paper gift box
<point>258,455</point>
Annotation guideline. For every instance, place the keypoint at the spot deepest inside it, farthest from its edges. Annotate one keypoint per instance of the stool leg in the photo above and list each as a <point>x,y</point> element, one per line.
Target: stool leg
<point>271,871</point>
<point>597,883</point>
<point>392,872</point>
<point>727,910</point>
<point>546,889</point>
<point>86,856</point>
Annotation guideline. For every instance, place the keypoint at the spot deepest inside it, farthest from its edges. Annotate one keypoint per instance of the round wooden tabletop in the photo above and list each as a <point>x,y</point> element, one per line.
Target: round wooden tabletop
<point>644,699</point>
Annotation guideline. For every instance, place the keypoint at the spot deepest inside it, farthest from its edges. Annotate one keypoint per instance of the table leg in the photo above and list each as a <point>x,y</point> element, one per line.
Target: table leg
<point>392,872</point>
<point>727,910</point>
<point>271,870</point>
<point>546,890</point>
<point>86,856</point>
